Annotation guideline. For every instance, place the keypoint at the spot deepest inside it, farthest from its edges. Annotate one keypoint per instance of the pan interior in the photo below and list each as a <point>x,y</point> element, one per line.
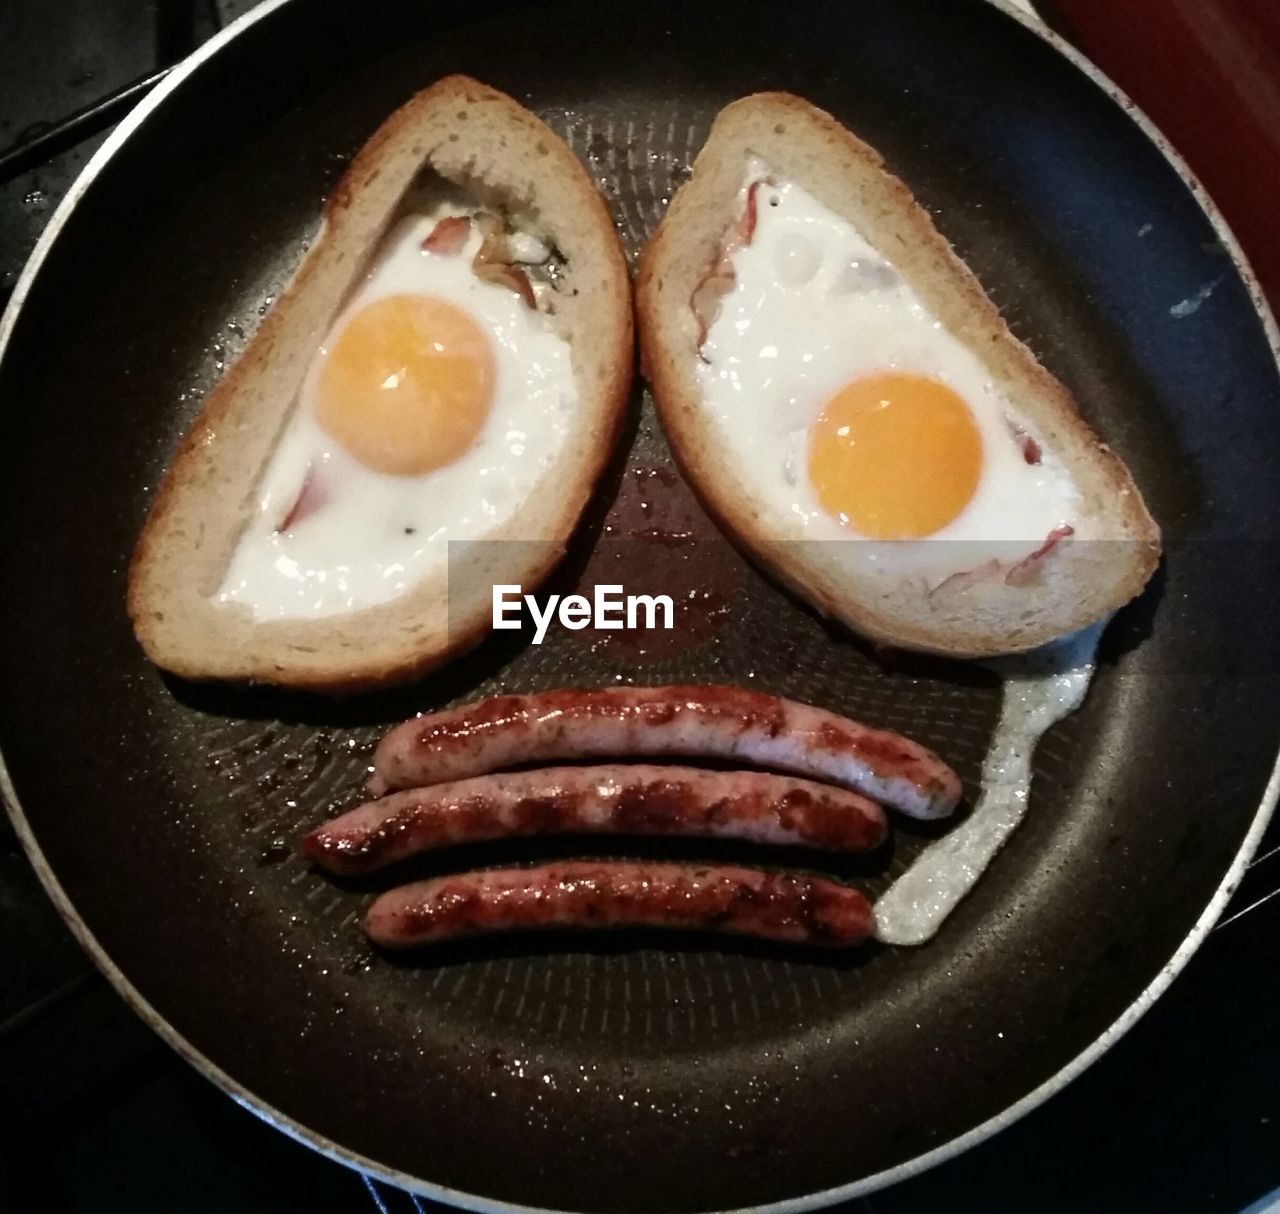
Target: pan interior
<point>756,1074</point>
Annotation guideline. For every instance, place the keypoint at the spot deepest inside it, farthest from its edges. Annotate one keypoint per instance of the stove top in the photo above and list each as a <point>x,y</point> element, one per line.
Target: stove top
<point>1182,1115</point>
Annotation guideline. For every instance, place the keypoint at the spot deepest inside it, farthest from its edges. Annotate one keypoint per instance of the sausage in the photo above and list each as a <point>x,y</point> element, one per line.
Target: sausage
<point>615,894</point>
<point>607,799</point>
<point>710,722</point>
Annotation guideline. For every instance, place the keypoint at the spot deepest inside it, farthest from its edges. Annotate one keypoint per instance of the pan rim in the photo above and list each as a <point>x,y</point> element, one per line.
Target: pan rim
<point>795,1205</point>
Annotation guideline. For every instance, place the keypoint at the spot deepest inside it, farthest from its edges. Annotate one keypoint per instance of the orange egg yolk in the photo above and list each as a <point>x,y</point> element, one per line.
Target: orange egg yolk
<point>895,456</point>
<point>407,385</point>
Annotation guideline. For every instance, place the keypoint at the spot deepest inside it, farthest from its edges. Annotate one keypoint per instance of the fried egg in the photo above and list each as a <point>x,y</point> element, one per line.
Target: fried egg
<point>853,413</point>
<point>431,409</point>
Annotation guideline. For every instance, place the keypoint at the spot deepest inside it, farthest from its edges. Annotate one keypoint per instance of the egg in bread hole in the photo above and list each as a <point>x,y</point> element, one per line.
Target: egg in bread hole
<point>435,402</point>
<point>851,411</point>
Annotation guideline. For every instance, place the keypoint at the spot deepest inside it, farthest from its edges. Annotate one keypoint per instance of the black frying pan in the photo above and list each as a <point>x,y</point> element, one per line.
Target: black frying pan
<point>643,1073</point>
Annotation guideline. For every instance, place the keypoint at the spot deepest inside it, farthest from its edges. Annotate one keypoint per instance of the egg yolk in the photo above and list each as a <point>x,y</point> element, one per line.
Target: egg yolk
<point>407,385</point>
<point>895,456</point>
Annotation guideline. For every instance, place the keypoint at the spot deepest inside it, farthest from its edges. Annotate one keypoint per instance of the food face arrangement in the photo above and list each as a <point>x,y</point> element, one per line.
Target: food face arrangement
<point>450,366</point>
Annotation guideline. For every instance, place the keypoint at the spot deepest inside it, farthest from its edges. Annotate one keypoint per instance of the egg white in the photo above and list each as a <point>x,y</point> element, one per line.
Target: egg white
<point>377,534</point>
<point>815,306</point>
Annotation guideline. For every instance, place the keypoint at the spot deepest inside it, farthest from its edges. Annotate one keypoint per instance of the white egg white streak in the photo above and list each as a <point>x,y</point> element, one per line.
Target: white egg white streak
<point>1040,689</point>
<point>377,534</point>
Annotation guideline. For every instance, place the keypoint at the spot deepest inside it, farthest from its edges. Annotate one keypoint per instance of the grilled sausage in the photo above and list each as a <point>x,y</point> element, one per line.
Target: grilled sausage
<point>615,894</point>
<point>607,799</point>
<point>718,722</point>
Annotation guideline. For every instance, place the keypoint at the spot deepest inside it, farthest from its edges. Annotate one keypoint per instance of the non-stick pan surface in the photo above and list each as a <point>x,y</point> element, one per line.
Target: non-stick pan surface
<point>643,1073</point>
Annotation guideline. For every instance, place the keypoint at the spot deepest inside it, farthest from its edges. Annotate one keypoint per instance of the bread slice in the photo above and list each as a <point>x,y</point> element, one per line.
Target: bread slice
<point>986,611</point>
<point>484,142</point>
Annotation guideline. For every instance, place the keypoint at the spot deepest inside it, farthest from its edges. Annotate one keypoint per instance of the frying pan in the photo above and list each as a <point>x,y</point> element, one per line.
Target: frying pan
<point>640,1073</point>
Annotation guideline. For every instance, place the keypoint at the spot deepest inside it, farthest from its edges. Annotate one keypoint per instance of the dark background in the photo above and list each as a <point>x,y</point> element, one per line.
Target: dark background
<point>95,1113</point>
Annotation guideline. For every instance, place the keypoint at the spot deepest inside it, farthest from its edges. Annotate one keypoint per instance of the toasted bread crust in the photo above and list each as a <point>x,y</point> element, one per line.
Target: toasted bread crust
<point>473,135</point>
<point>807,145</point>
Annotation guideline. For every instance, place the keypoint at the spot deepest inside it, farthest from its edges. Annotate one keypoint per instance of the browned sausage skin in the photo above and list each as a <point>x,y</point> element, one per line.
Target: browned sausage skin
<point>623,799</point>
<point>791,907</point>
<point>713,722</point>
